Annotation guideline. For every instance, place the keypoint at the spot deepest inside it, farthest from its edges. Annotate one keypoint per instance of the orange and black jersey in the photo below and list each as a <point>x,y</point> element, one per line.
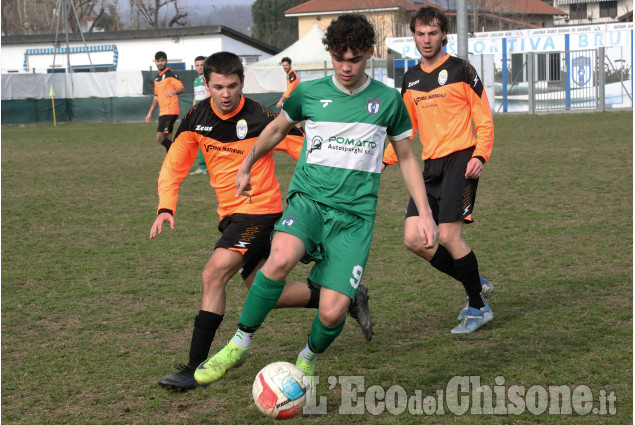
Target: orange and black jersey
<point>443,102</point>
<point>292,82</point>
<point>225,141</point>
<point>164,82</point>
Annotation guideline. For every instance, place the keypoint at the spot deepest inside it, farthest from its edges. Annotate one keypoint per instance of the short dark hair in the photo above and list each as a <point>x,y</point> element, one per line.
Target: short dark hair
<point>349,31</point>
<point>225,63</point>
<point>160,55</point>
<point>430,16</point>
<point>199,58</point>
<point>286,59</point>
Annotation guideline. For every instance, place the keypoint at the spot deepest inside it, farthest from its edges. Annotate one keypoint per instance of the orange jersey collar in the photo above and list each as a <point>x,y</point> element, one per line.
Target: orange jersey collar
<point>441,62</point>
<point>231,114</point>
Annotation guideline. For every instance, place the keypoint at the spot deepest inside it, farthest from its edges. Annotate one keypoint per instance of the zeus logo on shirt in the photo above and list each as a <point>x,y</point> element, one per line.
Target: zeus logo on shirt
<point>413,83</point>
<point>203,128</point>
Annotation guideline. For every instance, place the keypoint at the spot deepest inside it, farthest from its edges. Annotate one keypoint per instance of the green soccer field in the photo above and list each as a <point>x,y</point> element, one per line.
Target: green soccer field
<point>94,312</point>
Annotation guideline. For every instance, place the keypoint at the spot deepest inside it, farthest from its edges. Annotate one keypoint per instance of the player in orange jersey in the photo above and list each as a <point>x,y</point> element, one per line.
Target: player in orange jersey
<point>292,80</point>
<point>225,127</point>
<point>445,98</point>
<point>167,88</point>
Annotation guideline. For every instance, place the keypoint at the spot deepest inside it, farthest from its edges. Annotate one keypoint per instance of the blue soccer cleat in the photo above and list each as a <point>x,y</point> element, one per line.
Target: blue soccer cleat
<point>486,288</point>
<point>474,319</point>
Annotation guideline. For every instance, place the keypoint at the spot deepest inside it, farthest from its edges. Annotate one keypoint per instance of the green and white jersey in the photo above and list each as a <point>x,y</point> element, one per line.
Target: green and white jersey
<point>200,92</point>
<point>341,158</point>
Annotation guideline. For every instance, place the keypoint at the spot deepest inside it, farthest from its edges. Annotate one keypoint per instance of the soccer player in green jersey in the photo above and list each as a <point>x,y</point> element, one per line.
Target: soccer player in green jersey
<point>200,92</point>
<point>332,197</point>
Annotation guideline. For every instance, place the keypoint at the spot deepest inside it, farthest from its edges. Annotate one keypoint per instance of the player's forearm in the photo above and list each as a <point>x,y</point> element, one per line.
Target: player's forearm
<point>270,137</point>
<point>154,104</point>
<point>411,174</point>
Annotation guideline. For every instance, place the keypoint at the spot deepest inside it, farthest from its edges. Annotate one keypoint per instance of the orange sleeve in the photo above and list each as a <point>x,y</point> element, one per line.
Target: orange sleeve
<point>177,84</point>
<point>292,83</point>
<point>175,167</point>
<point>483,124</point>
<point>390,157</point>
<point>292,145</point>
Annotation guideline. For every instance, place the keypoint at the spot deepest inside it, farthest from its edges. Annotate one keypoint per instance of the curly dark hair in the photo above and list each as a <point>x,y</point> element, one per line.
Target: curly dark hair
<point>430,16</point>
<point>349,31</point>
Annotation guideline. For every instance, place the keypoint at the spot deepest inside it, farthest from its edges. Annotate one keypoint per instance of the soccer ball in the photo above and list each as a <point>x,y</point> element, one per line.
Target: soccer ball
<point>280,390</point>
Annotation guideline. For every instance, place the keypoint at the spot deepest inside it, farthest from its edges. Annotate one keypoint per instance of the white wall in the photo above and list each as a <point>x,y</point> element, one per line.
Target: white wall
<point>134,54</point>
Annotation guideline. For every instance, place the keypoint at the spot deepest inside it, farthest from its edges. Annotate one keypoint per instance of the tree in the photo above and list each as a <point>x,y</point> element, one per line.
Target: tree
<point>41,16</point>
<point>157,13</point>
<point>270,24</point>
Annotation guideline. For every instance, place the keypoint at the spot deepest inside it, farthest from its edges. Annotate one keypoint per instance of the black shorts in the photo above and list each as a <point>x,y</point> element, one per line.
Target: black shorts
<point>249,234</point>
<point>451,196</point>
<point>166,123</point>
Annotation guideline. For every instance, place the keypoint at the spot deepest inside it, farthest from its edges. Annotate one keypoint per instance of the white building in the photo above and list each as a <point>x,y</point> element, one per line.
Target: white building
<point>126,50</point>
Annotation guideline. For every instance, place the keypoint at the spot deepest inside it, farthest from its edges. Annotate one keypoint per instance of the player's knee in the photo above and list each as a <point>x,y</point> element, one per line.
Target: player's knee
<point>449,239</point>
<point>413,243</point>
<point>213,281</point>
<point>277,264</point>
<point>331,315</point>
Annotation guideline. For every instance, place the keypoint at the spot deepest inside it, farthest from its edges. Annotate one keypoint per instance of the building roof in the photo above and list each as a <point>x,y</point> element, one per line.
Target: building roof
<point>519,7</point>
<point>135,34</point>
<point>338,6</point>
<point>527,7</point>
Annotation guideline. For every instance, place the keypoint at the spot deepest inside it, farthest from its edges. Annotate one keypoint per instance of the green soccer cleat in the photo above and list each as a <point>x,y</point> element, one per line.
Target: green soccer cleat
<point>212,369</point>
<point>486,288</point>
<point>308,369</point>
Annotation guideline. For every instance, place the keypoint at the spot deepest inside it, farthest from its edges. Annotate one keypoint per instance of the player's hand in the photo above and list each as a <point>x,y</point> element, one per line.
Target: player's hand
<point>158,224</point>
<point>148,117</point>
<point>474,169</point>
<point>428,230</point>
<point>279,104</point>
<point>242,180</point>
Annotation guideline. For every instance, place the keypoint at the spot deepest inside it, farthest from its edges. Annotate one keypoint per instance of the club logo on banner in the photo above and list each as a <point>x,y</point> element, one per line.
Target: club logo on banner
<point>581,70</point>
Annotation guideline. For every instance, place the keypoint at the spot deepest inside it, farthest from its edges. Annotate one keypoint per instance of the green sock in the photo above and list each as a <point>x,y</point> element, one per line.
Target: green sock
<point>201,160</point>
<point>261,299</point>
<point>322,336</point>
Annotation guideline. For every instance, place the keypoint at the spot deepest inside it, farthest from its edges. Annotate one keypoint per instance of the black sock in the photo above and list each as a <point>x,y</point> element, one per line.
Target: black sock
<point>205,326</point>
<point>443,261</point>
<point>314,302</point>
<point>467,272</point>
<point>166,143</point>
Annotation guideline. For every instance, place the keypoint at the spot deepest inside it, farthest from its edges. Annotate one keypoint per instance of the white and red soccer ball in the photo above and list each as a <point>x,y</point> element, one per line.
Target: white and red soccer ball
<point>281,390</point>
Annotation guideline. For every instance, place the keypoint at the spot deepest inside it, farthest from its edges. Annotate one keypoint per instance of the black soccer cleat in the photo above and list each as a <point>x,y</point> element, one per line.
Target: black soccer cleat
<point>183,380</point>
<point>359,311</point>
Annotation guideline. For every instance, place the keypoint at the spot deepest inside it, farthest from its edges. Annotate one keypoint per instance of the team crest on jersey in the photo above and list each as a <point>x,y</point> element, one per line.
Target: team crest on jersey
<point>443,77</point>
<point>288,221</point>
<point>241,129</point>
<point>373,106</point>
<point>316,144</point>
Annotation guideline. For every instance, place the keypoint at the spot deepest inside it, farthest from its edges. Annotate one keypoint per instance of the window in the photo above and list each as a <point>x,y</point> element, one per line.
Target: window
<point>608,9</point>
<point>548,66</point>
<point>577,11</point>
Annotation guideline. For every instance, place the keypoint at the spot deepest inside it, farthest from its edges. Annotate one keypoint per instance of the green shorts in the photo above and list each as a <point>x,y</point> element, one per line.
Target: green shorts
<point>338,242</point>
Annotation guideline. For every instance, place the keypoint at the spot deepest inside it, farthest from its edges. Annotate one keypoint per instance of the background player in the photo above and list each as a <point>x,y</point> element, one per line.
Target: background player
<point>332,197</point>
<point>292,80</point>
<point>225,129</point>
<point>445,97</point>
<point>200,92</point>
<point>167,88</point>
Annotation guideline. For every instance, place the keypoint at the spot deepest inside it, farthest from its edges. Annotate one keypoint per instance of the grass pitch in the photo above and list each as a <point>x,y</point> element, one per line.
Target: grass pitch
<point>93,312</point>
